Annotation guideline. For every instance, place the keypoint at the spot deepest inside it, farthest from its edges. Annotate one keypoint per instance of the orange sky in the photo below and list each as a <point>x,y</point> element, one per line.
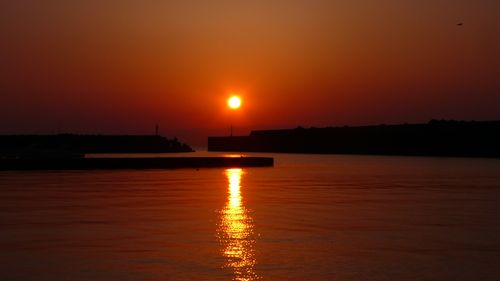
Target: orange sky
<point>122,66</point>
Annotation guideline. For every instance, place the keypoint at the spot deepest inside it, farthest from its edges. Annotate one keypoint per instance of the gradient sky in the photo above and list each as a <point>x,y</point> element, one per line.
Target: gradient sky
<point>122,66</point>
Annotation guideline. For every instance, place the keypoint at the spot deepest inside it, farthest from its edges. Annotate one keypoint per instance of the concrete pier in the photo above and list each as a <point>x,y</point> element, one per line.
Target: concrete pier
<point>133,163</point>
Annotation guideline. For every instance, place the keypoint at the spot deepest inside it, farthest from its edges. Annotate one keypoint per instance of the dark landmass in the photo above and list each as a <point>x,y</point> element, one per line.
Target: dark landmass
<point>436,138</point>
<point>69,145</point>
<point>21,164</point>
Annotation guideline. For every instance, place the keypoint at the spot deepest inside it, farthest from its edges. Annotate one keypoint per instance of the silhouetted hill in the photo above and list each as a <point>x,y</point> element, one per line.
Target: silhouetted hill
<point>33,144</point>
<point>436,138</point>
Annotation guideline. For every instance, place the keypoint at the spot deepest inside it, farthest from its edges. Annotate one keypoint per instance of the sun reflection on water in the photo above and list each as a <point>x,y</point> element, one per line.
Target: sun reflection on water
<point>236,231</point>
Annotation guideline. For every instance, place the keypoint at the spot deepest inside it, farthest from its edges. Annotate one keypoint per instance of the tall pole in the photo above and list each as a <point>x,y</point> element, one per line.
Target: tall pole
<point>231,124</point>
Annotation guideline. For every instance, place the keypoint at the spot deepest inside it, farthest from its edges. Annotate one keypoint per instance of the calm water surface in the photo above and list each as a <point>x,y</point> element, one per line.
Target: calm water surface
<point>311,217</point>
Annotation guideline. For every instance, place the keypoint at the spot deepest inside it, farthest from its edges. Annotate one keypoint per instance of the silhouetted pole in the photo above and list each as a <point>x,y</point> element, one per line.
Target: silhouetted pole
<point>157,129</point>
<point>231,120</point>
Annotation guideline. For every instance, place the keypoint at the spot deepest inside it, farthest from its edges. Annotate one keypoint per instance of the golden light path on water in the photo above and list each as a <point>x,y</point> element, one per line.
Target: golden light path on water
<point>236,231</point>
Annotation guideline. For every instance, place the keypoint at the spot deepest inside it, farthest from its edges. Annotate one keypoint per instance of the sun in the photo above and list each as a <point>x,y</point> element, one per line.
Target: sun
<point>234,102</point>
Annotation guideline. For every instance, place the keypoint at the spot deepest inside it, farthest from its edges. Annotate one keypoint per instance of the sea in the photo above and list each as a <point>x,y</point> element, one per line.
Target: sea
<point>310,217</point>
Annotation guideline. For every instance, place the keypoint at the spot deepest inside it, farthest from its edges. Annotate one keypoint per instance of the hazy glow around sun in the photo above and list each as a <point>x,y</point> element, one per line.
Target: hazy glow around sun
<point>234,102</point>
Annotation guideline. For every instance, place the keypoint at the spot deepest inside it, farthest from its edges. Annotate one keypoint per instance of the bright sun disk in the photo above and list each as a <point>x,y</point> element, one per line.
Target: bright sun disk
<point>234,102</point>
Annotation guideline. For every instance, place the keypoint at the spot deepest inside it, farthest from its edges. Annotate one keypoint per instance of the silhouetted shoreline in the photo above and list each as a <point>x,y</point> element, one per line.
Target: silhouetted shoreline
<point>436,138</point>
<point>71,145</point>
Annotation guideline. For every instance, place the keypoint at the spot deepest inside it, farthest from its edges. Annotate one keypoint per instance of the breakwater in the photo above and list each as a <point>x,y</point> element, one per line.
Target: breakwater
<point>28,145</point>
<point>435,138</point>
<point>133,163</point>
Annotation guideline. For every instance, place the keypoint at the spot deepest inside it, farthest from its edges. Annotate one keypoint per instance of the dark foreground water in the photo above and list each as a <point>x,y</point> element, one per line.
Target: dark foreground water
<point>309,218</point>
